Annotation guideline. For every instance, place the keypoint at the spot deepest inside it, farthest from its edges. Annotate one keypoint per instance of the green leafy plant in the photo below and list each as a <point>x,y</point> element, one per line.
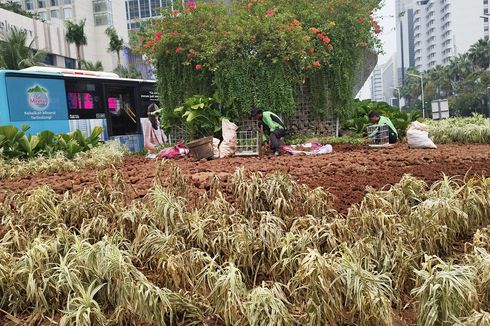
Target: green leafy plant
<point>358,120</point>
<point>201,115</point>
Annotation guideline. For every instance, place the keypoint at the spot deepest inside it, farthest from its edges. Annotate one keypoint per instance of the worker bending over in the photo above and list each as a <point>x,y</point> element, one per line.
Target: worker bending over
<point>379,120</point>
<point>272,126</point>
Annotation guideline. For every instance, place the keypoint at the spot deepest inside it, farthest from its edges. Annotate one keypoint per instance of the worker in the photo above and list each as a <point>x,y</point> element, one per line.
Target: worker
<point>378,120</point>
<point>272,126</point>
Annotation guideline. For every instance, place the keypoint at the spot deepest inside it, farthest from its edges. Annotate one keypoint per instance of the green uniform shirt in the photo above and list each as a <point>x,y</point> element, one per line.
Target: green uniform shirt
<point>272,121</point>
<point>382,122</point>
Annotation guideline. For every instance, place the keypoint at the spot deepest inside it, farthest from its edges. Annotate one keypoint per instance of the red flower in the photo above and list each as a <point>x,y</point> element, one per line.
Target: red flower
<point>377,29</point>
<point>178,50</point>
<point>175,12</point>
<point>270,12</point>
<point>149,44</point>
<point>361,20</point>
<point>198,67</point>
<point>158,36</point>
<point>315,30</point>
<point>295,22</point>
<point>321,36</point>
<point>250,5</point>
<point>326,39</point>
<point>316,64</point>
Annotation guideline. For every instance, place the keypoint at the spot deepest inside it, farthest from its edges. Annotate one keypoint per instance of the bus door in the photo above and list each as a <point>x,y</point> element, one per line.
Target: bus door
<point>120,103</point>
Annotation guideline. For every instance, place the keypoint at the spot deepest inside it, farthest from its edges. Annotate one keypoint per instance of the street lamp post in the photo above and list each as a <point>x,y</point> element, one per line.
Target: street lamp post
<point>399,97</point>
<point>423,98</point>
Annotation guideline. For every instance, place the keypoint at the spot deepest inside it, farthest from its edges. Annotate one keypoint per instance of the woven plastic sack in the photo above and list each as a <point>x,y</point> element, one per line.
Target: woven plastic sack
<point>418,136</point>
<point>229,144</point>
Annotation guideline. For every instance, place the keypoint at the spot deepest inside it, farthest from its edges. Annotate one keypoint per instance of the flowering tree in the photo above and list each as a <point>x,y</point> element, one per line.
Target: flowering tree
<point>258,52</point>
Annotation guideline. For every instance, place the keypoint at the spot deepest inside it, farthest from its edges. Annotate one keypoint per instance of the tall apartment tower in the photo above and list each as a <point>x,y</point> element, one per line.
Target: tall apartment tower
<point>486,18</point>
<point>405,31</point>
<point>99,14</point>
<point>431,32</point>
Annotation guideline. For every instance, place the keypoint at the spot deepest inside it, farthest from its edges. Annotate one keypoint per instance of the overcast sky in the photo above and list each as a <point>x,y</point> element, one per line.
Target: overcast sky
<point>386,17</point>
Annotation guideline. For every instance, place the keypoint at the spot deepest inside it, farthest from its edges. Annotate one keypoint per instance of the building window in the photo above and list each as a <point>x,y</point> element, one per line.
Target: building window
<point>41,4</point>
<point>54,3</point>
<point>100,6</point>
<point>102,19</point>
<point>43,15</point>
<point>133,9</point>
<point>67,2</point>
<point>70,63</point>
<point>49,60</point>
<point>54,13</point>
<point>67,13</point>
<point>29,5</point>
<point>155,7</point>
<point>144,9</point>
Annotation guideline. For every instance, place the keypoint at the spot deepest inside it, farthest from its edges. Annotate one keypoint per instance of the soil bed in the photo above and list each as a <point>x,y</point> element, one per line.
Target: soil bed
<point>346,173</point>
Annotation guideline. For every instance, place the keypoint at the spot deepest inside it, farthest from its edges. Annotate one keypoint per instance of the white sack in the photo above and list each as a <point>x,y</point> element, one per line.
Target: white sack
<point>229,144</point>
<point>216,142</point>
<point>418,136</point>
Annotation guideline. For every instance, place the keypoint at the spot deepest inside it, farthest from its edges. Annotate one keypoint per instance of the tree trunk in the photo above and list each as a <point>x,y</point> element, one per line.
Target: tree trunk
<point>118,58</point>
<point>78,58</point>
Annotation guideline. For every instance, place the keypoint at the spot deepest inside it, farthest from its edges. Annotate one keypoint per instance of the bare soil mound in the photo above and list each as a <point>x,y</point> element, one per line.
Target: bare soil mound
<point>346,173</point>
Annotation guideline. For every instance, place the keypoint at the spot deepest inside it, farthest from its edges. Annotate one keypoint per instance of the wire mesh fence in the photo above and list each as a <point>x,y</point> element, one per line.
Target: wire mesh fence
<point>378,135</point>
<point>248,143</point>
<point>176,134</point>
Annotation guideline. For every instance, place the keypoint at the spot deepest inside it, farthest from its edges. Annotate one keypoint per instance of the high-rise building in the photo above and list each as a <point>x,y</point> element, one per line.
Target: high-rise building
<point>383,81</point>
<point>138,10</point>
<point>431,32</point>
<point>486,18</point>
<point>98,15</point>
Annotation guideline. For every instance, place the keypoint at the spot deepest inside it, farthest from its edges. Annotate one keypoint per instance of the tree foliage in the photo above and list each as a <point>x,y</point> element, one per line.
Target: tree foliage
<point>92,66</point>
<point>75,33</point>
<point>259,52</point>
<point>116,43</point>
<point>464,82</point>
<point>15,51</point>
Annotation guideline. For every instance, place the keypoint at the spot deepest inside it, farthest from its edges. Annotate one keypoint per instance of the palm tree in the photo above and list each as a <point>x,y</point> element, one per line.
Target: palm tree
<point>97,66</point>
<point>116,43</point>
<point>75,33</point>
<point>130,72</point>
<point>479,54</point>
<point>16,54</point>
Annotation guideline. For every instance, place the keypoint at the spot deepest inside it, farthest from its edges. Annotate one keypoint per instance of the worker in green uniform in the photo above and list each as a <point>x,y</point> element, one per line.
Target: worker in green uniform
<point>378,120</point>
<point>272,126</point>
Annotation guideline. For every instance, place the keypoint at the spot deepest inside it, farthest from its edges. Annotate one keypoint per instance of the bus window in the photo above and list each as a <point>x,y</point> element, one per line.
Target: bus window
<point>120,106</point>
<point>84,100</point>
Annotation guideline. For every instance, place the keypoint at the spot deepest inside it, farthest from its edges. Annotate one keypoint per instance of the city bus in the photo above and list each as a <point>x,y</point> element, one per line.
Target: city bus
<point>63,100</point>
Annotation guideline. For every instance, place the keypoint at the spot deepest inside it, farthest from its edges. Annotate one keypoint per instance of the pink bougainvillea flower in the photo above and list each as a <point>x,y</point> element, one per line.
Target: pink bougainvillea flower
<point>361,20</point>
<point>250,5</point>
<point>175,12</point>
<point>296,22</point>
<point>270,12</point>
<point>315,30</point>
<point>316,64</point>
<point>326,39</point>
<point>191,5</point>
<point>178,50</point>
<point>198,67</point>
<point>158,36</point>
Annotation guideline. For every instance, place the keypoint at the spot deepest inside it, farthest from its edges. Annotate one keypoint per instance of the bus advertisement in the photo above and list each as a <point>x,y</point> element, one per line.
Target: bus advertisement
<point>64,100</point>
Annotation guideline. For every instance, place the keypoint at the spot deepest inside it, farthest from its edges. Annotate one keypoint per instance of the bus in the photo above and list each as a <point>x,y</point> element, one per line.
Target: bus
<point>63,100</point>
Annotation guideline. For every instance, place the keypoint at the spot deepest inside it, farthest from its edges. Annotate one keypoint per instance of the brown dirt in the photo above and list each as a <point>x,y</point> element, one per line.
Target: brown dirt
<point>345,173</point>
